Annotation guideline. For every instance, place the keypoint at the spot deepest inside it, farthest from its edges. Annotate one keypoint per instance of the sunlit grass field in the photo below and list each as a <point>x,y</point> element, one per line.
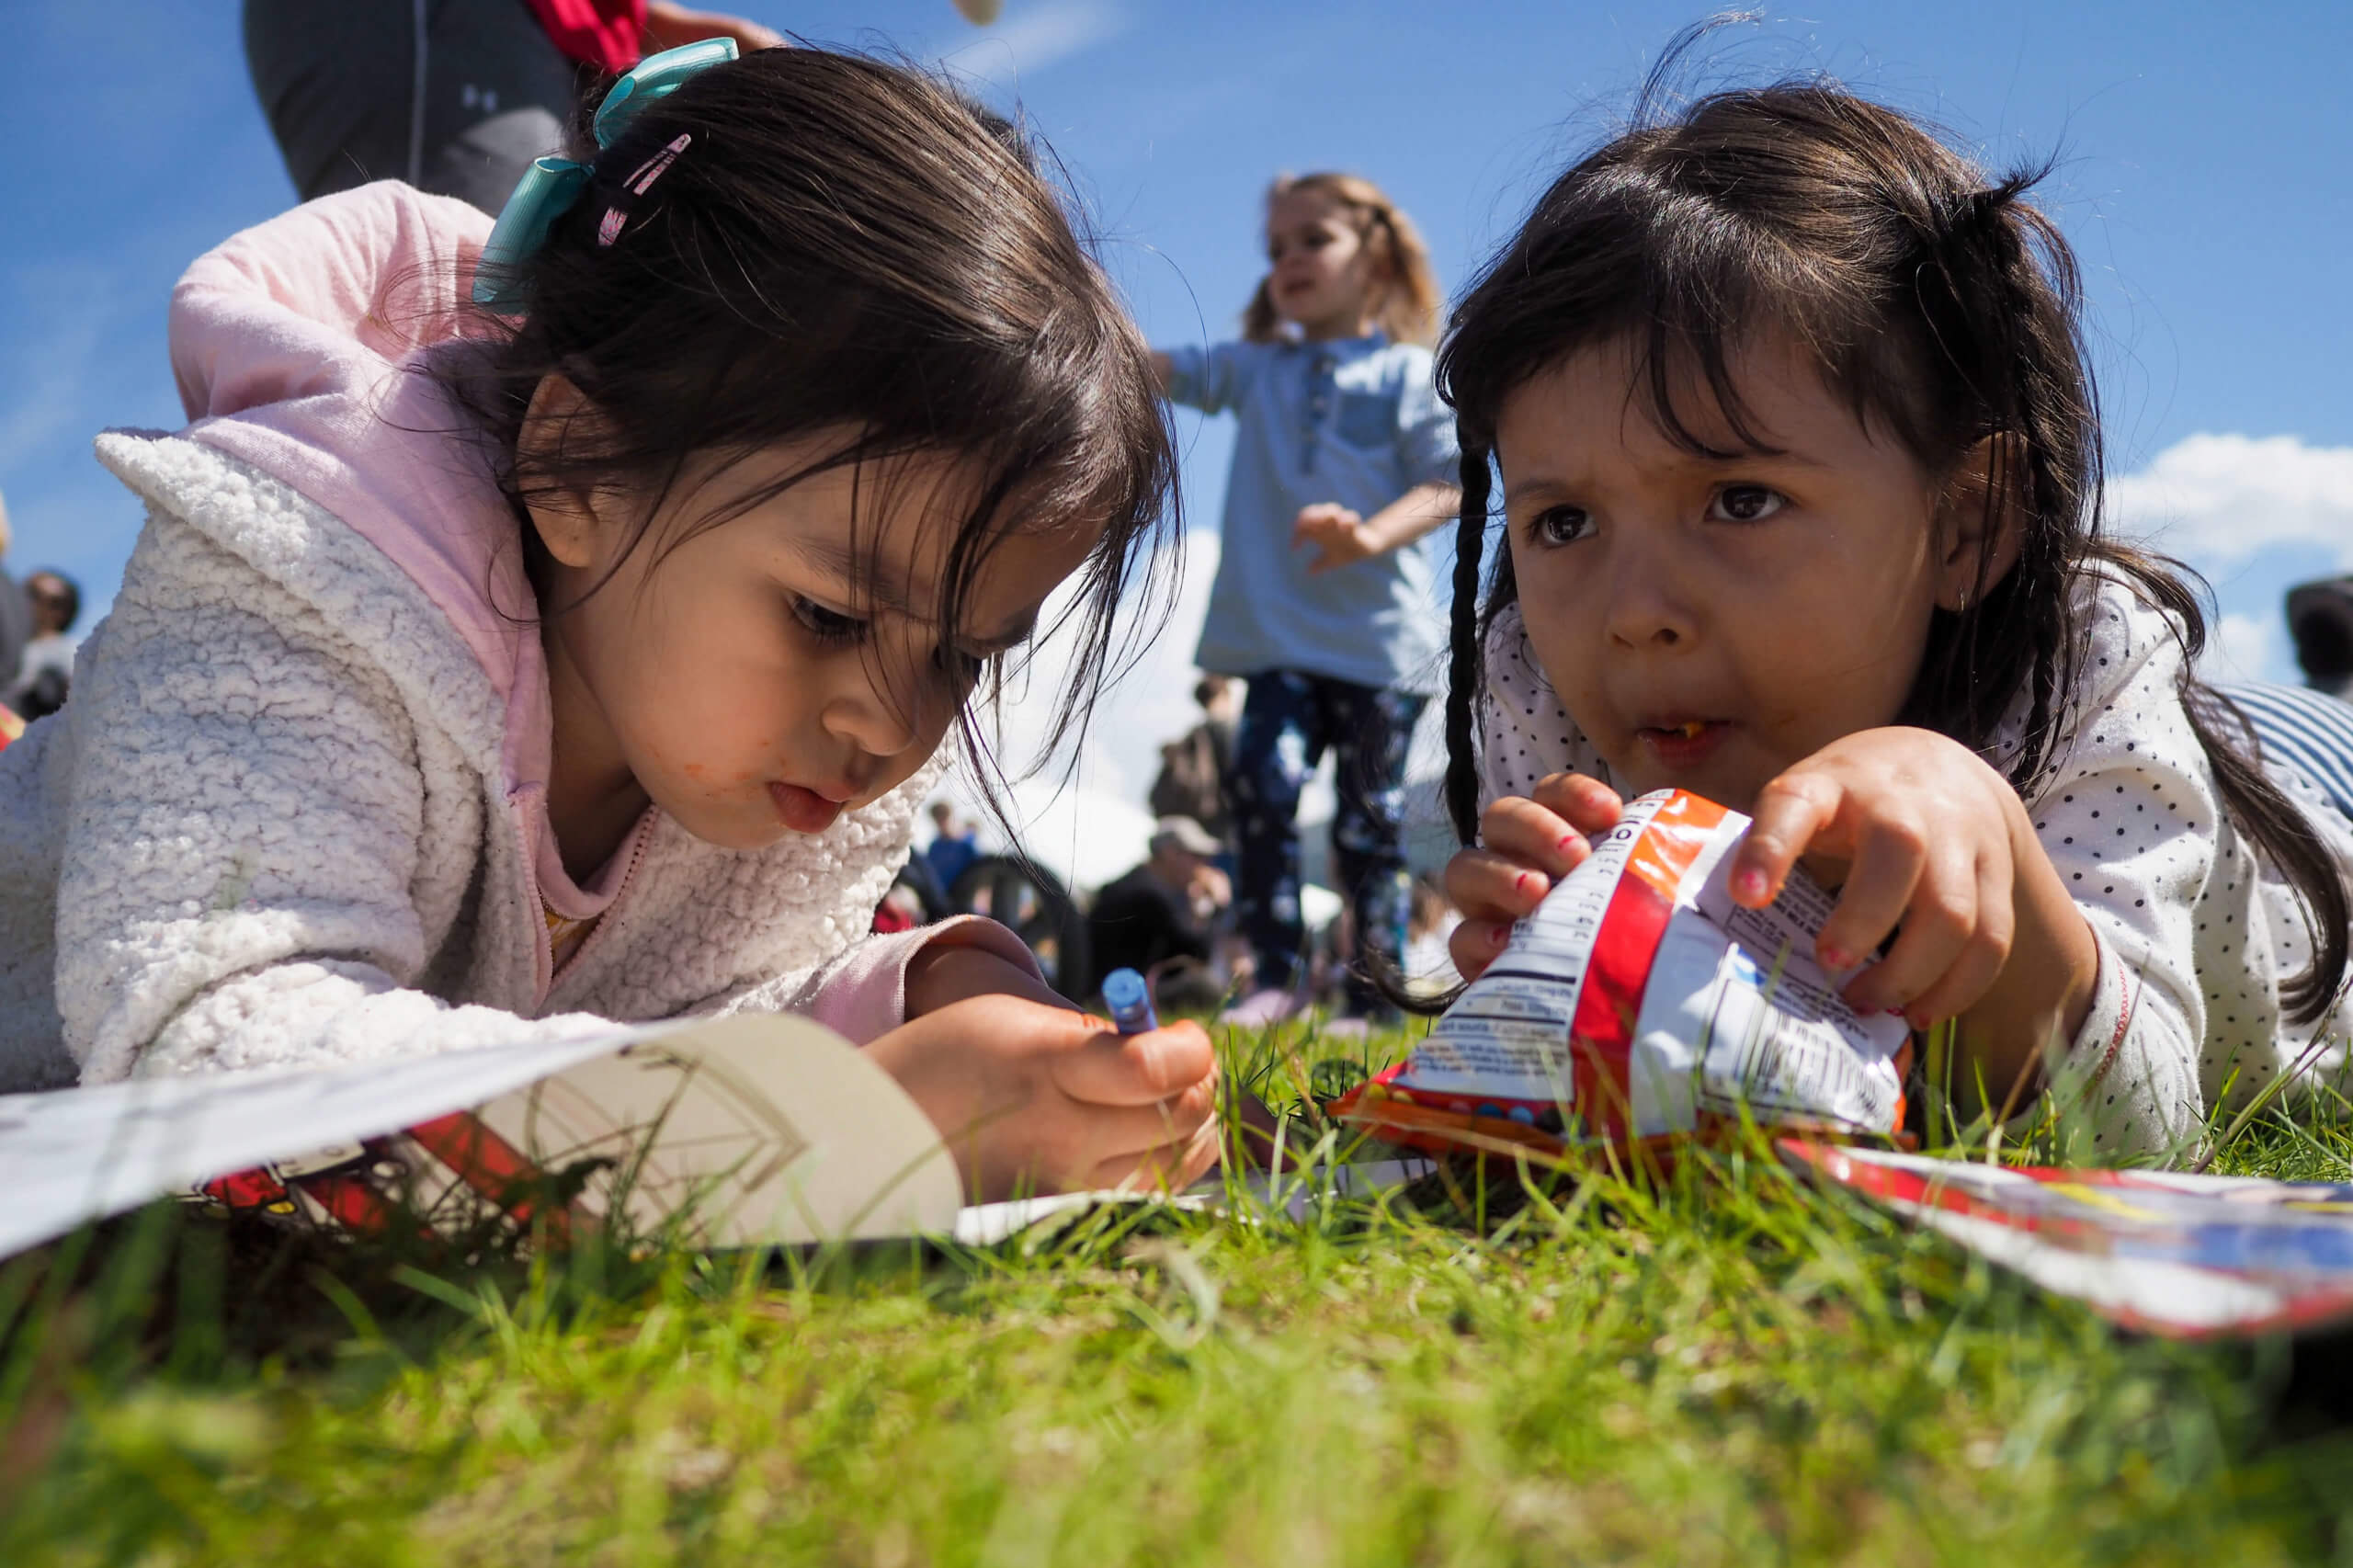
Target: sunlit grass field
<point>1725,1366</point>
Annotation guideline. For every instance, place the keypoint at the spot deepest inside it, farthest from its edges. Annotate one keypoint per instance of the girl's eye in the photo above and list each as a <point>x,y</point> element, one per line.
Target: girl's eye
<point>962,668</point>
<point>1561,525</point>
<point>1746,504</point>
<point>829,627</point>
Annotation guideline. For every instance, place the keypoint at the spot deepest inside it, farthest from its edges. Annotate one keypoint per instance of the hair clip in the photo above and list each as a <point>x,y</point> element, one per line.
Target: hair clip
<point>551,186</point>
<point>608,228</point>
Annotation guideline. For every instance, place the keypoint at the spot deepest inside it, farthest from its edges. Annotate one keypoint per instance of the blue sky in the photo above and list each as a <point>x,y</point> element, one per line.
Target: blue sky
<point>2202,180</point>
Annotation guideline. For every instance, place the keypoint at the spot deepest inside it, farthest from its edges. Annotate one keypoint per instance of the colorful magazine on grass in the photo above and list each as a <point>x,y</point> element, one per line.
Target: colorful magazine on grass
<point>2160,1251</point>
<point>755,1130</point>
<point>1640,1005</point>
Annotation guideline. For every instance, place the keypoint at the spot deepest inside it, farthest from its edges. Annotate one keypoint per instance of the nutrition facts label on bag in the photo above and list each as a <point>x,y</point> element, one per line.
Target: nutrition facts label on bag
<point>1726,1026</point>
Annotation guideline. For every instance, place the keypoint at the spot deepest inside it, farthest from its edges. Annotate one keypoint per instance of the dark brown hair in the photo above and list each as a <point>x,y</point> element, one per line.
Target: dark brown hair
<point>1944,308</point>
<point>1406,298</point>
<point>843,245</point>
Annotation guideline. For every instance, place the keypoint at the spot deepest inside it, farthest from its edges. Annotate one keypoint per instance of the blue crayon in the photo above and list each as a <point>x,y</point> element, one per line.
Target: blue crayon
<point>1130,1002</point>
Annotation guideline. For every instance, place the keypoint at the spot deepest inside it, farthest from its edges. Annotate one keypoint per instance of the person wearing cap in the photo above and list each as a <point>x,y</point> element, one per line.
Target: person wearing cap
<point>1157,916</point>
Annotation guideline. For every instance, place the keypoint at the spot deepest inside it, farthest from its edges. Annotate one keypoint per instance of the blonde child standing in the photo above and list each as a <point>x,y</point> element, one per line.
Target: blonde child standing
<point>527,638</point>
<point>1344,463</point>
<point>1801,476</point>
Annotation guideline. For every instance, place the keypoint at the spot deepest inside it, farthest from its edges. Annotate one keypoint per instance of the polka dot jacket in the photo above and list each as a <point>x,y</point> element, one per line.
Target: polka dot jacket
<point>2195,933</point>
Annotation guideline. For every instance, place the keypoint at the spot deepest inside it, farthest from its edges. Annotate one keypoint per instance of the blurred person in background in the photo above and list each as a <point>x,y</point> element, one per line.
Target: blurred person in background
<point>454,96</point>
<point>1344,463</point>
<point>1193,768</point>
<point>953,848</point>
<point>1158,918</point>
<point>46,668</point>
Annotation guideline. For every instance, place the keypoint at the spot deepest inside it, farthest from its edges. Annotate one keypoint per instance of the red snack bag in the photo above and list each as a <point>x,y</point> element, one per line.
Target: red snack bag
<point>1640,1005</point>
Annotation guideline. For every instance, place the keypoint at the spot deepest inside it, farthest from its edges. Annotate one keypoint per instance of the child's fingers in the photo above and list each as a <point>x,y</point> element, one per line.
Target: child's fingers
<point>1982,955</point>
<point>1585,803</point>
<point>1537,837</point>
<point>1475,944</point>
<point>1486,886</point>
<point>1884,886</point>
<point>1104,1131</point>
<point>1792,810</point>
<point>1137,1070</point>
<point>1169,1167</point>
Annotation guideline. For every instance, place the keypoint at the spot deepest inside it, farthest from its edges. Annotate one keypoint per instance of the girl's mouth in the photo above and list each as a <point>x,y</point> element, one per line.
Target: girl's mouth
<point>803,811</point>
<point>1684,745</point>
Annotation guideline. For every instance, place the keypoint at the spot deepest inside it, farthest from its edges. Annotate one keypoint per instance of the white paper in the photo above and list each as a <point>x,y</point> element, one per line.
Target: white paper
<point>779,1129</point>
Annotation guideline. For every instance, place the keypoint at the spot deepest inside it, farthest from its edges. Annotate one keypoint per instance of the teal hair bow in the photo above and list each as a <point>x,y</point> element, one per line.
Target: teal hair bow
<point>551,186</point>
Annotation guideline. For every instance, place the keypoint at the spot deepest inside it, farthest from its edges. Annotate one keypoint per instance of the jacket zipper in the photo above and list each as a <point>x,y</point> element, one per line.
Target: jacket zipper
<point>644,831</point>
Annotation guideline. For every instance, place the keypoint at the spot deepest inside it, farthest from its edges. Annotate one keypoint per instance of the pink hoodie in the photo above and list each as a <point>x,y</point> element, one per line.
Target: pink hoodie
<point>296,345</point>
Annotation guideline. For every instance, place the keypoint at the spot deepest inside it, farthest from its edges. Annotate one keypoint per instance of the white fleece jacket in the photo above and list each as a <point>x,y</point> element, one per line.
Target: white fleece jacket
<point>295,810</point>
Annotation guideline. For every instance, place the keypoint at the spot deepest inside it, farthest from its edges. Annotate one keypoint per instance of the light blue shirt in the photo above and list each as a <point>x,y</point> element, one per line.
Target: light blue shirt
<point>1357,422</point>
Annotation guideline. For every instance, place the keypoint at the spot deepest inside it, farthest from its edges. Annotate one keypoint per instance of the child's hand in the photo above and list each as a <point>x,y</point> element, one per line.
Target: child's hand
<point>1039,1098</point>
<point>1927,842</point>
<point>1339,534</point>
<point>1525,843</point>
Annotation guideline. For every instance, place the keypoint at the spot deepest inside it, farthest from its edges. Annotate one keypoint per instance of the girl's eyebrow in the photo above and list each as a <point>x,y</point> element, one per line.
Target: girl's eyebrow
<point>1546,487</point>
<point>883,587</point>
<point>1535,490</point>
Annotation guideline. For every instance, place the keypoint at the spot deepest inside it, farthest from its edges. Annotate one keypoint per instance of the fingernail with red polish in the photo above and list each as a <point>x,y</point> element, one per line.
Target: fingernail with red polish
<point>1496,937</point>
<point>1835,958</point>
<point>1749,884</point>
<point>1530,882</point>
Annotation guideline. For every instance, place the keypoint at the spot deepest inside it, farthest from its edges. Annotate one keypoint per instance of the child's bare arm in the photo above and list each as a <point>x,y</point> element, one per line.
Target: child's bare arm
<point>1342,538</point>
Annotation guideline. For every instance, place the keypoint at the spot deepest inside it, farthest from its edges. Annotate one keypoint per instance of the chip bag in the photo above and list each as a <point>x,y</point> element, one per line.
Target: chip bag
<point>1639,1004</point>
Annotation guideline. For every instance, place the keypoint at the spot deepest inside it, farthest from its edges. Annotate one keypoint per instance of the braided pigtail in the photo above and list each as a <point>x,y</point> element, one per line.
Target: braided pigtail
<point>1466,663</point>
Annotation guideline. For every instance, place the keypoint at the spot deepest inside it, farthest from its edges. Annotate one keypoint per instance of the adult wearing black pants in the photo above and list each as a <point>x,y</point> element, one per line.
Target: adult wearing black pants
<point>454,96</point>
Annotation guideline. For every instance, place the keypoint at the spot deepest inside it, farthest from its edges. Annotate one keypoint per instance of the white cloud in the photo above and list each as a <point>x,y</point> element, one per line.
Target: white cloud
<point>2217,500</point>
<point>1039,38</point>
<point>2241,648</point>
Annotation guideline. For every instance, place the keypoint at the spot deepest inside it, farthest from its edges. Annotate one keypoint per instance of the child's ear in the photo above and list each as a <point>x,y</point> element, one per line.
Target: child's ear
<point>1981,498</point>
<point>565,518</point>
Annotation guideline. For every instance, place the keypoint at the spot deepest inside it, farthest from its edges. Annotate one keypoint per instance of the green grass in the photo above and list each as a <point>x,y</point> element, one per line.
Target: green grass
<point>1726,1368</point>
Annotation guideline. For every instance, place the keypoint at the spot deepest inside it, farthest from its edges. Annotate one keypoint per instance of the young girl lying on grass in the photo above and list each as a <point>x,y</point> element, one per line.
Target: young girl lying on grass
<point>487,677</point>
<point>1800,469</point>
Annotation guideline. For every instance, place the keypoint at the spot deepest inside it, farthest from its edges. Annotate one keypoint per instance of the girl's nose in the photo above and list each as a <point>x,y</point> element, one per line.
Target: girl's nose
<point>874,716</point>
<point>1650,605</point>
<point>884,710</point>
